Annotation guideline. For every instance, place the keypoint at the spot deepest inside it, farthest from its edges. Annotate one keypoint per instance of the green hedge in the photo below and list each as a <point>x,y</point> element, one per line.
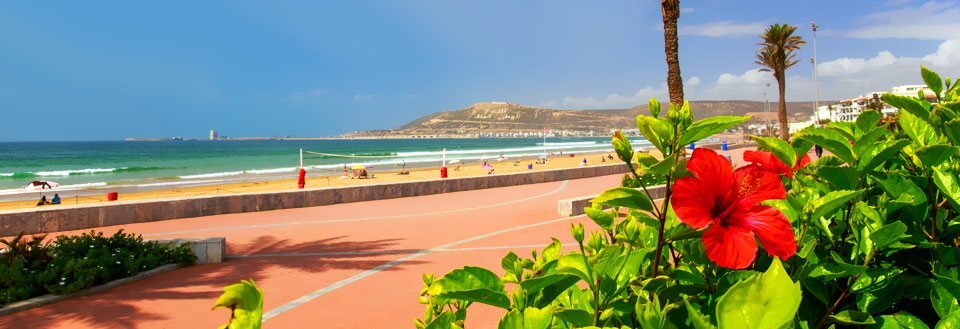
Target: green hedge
<point>30,267</point>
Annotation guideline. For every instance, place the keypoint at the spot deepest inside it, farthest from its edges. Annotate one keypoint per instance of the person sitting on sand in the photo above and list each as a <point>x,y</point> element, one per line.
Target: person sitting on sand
<point>56,199</point>
<point>584,163</point>
<point>43,201</point>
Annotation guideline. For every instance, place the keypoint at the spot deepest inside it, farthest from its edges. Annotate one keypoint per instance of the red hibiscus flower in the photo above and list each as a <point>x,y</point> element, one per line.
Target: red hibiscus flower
<point>728,202</point>
<point>769,162</point>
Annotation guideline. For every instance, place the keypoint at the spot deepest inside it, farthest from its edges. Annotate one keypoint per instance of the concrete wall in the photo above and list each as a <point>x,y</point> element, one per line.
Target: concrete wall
<point>65,218</point>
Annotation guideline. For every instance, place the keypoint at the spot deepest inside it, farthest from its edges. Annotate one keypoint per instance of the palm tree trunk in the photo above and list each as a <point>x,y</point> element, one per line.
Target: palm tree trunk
<point>670,10</point>
<point>782,114</point>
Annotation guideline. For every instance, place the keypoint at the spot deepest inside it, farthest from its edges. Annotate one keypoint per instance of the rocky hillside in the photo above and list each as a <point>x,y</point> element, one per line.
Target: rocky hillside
<point>495,117</point>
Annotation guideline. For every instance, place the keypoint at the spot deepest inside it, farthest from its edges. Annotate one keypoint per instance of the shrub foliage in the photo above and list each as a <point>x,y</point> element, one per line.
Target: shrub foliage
<point>865,236</point>
<point>31,267</point>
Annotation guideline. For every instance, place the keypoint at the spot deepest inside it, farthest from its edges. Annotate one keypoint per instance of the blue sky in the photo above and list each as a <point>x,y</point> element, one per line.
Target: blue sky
<point>108,70</point>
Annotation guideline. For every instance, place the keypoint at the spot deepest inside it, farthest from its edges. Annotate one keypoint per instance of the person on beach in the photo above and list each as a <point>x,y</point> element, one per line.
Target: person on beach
<point>491,172</point>
<point>56,199</point>
<point>43,201</point>
<point>584,163</point>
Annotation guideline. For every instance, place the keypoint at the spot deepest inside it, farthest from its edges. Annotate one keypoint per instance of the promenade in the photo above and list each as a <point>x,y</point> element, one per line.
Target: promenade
<point>355,265</point>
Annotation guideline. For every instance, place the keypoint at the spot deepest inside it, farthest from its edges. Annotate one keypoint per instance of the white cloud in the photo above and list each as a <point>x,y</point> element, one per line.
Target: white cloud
<point>362,97</point>
<point>847,66</point>
<point>933,20</point>
<point>685,10</point>
<point>723,29</point>
<point>617,101</point>
<point>839,78</point>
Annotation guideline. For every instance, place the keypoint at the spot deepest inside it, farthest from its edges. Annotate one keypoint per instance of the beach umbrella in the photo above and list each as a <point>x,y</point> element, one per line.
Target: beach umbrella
<point>41,185</point>
<point>358,167</point>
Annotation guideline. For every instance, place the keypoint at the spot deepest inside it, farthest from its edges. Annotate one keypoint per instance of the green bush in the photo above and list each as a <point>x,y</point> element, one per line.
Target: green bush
<point>73,263</point>
<point>866,236</point>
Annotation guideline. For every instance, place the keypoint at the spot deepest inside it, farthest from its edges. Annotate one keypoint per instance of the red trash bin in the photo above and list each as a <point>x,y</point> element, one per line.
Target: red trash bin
<point>113,196</point>
<point>443,172</point>
<point>302,179</point>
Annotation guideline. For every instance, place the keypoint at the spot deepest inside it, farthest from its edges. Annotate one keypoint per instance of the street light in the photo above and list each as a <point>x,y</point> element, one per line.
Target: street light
<point>766,112</point>
<point>816,84</point>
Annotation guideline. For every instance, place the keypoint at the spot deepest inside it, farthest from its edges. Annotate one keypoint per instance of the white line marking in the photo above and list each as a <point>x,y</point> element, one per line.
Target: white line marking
<point>359,276</point>
<point>562,186</point>
<point>385,252</point>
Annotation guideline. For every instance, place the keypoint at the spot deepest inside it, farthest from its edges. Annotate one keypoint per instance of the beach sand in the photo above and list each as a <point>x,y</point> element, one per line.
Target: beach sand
<point>313,181</point>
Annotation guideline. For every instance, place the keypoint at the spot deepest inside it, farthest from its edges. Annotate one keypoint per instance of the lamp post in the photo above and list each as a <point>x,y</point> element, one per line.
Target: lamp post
<point>816,83</point>
<point>766,112</point>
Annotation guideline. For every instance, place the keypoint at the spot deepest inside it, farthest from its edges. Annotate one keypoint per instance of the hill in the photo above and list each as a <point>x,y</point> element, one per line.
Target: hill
<point>500,117</point>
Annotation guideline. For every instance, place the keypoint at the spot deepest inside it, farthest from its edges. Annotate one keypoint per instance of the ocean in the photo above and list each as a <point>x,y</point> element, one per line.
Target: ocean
<point>163,164</point>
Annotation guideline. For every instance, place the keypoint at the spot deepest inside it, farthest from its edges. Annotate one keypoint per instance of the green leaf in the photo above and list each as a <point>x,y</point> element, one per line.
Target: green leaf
<point>548,287</point>
<point>576,317</point>
<point>949,185</point>
<point>902,320</point>
<point>530,318</point>
<point>933,155</point>
<point>932,80</point>
<point>708,127</point>
<point>768,300</point>
<point>952,130</point>
<point>246,301</point>
<point>575,264</point>
<point>779,148</point>
<point>657,131</point>
<point>951,321</point>
<point>888,234</point>
<point>908,104</point>
<point>918,129</point>
<point>868,121</point>
<point>844,178</point>
<point>828,203</point>
<point>877,153</point>
<point>903,190</point>
<point>475,284</point>
<point>443,321</point>
<point>624,197</point>
<point>698,320</point>
<point>851,317</point>
<point>479,295</point>
<point>602,218</point>
<point>831,141</point>
<point>662,167</point>
<point>943,301</point>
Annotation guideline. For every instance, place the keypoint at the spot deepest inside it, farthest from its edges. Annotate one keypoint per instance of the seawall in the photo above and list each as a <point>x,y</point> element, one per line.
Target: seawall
<point>66,218</point>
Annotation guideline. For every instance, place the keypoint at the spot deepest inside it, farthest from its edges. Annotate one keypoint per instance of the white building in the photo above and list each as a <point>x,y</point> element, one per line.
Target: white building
<point>849,109</point>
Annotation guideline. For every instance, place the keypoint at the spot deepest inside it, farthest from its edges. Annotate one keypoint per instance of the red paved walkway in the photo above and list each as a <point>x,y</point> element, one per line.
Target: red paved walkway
<point>354,265</point>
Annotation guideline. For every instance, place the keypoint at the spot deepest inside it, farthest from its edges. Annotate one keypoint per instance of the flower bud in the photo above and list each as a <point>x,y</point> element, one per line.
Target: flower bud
<point>654,106</point>
<point>622,146</point>
<point>577,231</point>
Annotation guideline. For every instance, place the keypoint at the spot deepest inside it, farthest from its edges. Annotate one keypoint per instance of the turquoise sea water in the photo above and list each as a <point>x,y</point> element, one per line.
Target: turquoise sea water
<point>82,165</point>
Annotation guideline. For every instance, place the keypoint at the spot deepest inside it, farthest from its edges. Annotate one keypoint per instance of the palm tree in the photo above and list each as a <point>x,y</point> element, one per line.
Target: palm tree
<point>776,55</point>
<point>670,10</point>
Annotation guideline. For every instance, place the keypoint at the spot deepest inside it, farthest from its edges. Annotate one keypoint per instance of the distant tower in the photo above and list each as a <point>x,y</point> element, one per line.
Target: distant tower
<point>214,135</point>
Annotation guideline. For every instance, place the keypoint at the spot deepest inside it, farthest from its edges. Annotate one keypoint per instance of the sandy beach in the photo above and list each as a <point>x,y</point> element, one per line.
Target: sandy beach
<point>324,179</point>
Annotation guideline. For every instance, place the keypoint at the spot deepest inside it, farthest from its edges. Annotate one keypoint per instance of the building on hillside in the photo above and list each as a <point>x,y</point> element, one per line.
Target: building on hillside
<point>849,109</point>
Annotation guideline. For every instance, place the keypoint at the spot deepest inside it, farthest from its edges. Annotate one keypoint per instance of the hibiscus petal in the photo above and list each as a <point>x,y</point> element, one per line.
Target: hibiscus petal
<point>773,229</point>
<point>731,246</point>
<point>767,161</point>
<point>755,185</point>
<point>802,162</point>
<point>698,198</point>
